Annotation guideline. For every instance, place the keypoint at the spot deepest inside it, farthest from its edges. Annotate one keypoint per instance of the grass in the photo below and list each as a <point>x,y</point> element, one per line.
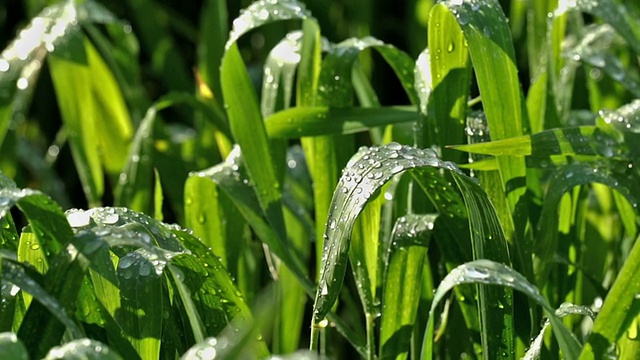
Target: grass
<point>178,182</point>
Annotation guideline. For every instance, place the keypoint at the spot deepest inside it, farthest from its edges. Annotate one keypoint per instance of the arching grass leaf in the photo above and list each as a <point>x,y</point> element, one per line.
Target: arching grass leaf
<point>365,174</point>
<point>491,273</point>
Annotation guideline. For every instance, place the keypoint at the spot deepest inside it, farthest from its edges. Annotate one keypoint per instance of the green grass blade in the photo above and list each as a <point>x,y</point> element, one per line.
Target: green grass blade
<point>44,333</point>
<point>140,318</point>
<point>321,120</point>
<point>366,172</point>
<point>213,34</point>
<point>402,283</point>
<point>231,178</point>
<point>72,82</point>
<point>113,125</point>
<point>249,131</point>
<point>279,69</point>
<point>491,273</point>
<point>450,72</point>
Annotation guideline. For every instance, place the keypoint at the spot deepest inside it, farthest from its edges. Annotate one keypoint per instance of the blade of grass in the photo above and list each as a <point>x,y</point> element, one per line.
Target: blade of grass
<point>357,185</point>
<point>321,120</point>
<point>450,71</point>
<point>405,257</point>
<point>492,273</point>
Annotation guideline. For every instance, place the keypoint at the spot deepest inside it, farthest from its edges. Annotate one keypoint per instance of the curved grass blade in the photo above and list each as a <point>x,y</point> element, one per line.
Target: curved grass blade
<point>616,15</point>
<point>335,87</point>
<point>594,50</point>
<point>491,273</point>
<point>82,349</point>
<point>204,287</point>
<point>262,157</point>
<point>45,217</point>
<point>318,121</point>
<point>365,174</point>
<point>402,282</point>
<point>280,68</point>
<point>260,13</point>
<point>11,347</point>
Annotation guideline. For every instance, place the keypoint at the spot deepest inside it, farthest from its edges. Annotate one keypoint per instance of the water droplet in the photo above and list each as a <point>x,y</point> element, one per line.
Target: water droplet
<point>451,47</point>
<point>4,65</point>
<point>78,218</point>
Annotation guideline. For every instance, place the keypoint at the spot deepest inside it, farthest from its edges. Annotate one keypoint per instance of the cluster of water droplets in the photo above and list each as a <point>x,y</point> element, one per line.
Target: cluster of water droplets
<point>490,273</point>
<point>412,230</point>
<point>230,172</point>
<point>9,196</point>
<point>464,10</point>
<point>208,349</point>
<point>625,118</point>
<point>143,262</point>
<point>80,348</point>
<point>265,11</point>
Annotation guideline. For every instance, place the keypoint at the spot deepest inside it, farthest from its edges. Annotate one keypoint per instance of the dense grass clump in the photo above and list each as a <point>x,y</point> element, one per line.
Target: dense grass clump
<point>179,182</point>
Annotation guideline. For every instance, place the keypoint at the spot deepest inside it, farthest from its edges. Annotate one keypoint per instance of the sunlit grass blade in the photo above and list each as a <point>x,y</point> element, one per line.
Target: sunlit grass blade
<point>72,82</point>
<point>492,273</point>
<point>140,318</point>
<point>213,217</point>
<point>402,283</point>
<point>279,70</point>
<point>319,121</point>
<point>559,146</point>
<point>450,72</point>
<point>114,128</point>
